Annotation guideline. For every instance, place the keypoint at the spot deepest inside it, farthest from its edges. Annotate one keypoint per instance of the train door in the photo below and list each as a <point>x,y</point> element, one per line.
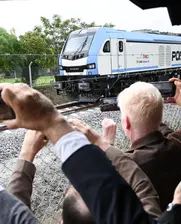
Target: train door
<point>104,58</point>
<point>117,55</point>
<point>114,56</point>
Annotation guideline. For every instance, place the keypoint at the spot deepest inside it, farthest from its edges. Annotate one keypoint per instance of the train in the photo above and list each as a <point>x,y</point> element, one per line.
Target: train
<point>102,61</point>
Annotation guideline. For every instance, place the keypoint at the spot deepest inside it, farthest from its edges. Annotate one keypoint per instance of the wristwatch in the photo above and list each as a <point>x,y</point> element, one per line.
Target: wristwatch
<point>172,215</point>
<point>171,206</point>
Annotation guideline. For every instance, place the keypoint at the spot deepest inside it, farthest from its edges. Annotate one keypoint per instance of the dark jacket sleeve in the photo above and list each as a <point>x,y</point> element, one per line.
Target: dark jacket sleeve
<point>21,182</point>
<point>109,198</point>
<point>171,217</point>
<point>13,211</point>
<point>165,130</point>
<point>137,179</point>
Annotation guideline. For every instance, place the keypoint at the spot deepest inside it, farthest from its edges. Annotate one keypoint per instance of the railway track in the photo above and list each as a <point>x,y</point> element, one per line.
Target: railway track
<point>75,106</point>
<point>67,108</point>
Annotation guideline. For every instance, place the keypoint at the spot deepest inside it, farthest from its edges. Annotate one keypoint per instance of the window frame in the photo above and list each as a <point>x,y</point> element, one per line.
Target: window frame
<point>105,45</point>
<point>122,48</point>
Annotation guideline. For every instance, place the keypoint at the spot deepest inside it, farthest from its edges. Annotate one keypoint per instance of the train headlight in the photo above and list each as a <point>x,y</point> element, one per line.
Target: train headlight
<point>91,66</point>
<point>61,68</point>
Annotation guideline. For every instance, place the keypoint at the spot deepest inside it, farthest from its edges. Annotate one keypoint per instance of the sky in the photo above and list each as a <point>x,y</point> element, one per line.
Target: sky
<point>23,15</point>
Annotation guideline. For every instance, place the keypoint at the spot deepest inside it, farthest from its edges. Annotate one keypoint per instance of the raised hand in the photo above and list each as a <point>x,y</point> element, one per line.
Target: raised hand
<point>177,97</point>
<point>93,137</point>
<point>109,130</point>
<point>34,111</point>
<point>34,141</point>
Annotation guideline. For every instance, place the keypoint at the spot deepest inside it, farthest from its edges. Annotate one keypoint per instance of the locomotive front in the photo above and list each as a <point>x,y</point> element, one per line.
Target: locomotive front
<point>74,63</point>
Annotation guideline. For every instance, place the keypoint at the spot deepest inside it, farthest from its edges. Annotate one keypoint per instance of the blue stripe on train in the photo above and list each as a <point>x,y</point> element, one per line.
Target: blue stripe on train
<point>175,65</point>
<point>132,69</point>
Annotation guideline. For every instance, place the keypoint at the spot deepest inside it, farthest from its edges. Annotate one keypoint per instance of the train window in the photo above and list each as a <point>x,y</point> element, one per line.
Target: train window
<point>106,48</point>
<point>120,46</point>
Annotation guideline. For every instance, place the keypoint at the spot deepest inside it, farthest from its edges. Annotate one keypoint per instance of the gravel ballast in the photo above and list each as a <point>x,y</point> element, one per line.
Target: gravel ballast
<point>50,183</point>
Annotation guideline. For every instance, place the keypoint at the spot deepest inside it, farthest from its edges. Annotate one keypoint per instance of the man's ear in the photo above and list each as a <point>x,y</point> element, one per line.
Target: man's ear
<point>127,123</point>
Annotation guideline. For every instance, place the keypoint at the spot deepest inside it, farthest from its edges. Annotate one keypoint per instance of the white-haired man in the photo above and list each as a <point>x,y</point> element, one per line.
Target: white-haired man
<point>154,147</point>
<point>141,109</point>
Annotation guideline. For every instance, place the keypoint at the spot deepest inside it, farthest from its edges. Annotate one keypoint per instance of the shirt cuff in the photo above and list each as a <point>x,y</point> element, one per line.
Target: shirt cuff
<point>1,188</point>
<point>69,144</point>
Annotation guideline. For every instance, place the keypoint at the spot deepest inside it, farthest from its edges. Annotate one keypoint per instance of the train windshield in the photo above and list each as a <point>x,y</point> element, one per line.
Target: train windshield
<point>78,43</point>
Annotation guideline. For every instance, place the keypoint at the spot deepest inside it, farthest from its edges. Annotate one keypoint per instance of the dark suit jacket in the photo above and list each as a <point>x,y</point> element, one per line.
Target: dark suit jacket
<point>22,178</point>
<point>159,156</point>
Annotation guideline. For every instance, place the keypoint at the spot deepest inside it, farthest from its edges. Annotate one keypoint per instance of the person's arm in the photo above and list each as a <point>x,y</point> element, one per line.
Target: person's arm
<point>137,179</point>
<point>13,211</point>
<point>171,216</point>
<point>109,198</point>
<point>21,182</point>
<point>125,166</point>
<point>173,213</point>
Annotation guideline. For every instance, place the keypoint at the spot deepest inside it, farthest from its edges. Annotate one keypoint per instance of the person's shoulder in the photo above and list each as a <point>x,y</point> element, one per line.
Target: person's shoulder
<point>176,133</point>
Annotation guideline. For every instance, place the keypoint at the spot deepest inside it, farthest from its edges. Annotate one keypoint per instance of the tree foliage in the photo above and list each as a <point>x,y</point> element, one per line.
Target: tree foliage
<point>8,45</point>
<point>56,31</point>
<point>41,45</point>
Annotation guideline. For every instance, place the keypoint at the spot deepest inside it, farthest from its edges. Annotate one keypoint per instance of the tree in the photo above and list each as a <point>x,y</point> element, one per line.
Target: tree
<point>34,48</point>
<point>9,46</point>
<point>109,25</point>
<point>56,31</point>
<point>41,46</point>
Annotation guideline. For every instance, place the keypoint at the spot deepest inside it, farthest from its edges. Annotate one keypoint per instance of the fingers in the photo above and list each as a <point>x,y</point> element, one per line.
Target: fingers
<point>177,195</point>
<point>174,79</point>
<point>11,124</point>
<point>8,95</point>
<point>12,93</point>
<point>80,126</point>
<point>179,185</point>
<point>33,133</point>
<point>4,85</point>
<point>36,136</point>
<point>76,123</point>
<point>178,84</point>
<point>108,122</point>
<point>170,100</point>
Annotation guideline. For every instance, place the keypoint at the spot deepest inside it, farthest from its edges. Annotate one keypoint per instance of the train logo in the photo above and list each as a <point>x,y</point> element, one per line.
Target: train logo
<point>176,55</point>
<point>143,59</point>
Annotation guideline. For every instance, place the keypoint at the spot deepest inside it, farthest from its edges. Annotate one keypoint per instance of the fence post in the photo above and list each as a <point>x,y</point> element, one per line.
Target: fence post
<point>15,75</point>
<point>30,76</point>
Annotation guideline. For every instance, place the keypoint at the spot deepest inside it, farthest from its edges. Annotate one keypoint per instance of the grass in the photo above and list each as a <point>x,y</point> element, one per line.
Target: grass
<point>9,80</point>
<point>42,80</point>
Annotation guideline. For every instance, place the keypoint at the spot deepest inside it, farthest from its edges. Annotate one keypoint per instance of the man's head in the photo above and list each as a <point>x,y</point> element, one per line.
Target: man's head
<point>141,108</point>
<point>75,210</point>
